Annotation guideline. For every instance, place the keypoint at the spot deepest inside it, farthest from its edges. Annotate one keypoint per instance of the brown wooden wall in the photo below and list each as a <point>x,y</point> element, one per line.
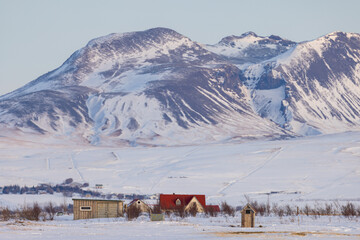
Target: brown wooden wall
<point>99,208</point>
<point>247,220</point>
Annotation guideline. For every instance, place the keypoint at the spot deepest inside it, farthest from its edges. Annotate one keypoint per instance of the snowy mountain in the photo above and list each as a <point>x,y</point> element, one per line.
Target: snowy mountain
<point>312,88</point>
<point>159,87</point>
<point>153,86</point>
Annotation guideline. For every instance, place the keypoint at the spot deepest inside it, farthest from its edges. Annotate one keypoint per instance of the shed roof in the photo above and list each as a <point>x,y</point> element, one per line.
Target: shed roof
<point>248,207</point>
<point>97,199</point>
<point>135,200</point>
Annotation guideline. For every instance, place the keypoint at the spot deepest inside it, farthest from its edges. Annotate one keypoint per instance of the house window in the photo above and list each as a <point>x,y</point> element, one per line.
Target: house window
<point>178,202</point>
<point>138,202</point>
<point>248,211</point>
<point>85,208</point>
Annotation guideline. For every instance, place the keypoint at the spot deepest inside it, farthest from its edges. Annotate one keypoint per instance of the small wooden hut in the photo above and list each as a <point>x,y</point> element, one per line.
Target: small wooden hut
<point>248,216</point>
<point>97,208</point>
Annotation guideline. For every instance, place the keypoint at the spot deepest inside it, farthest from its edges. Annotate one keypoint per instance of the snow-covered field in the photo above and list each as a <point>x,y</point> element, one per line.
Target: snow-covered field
<point>189,228</point>
<point>305,169</point>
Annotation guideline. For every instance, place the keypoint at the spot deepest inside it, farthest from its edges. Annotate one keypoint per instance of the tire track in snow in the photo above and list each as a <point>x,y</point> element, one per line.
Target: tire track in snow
<point>171,166</point>
<point>74,165</point>
<point>116,156</point>
<point>273,155</point>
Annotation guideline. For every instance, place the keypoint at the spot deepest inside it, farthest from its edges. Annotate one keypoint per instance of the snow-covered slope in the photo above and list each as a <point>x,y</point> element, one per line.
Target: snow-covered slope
<point>250,48</point>
<point>155,86</point>
<point>310,168</point>
<point>313,87</point>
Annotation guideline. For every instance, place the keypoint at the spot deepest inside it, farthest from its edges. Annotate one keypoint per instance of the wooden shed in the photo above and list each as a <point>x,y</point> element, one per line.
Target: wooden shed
<point>248,216</point>
<point>97,208</point>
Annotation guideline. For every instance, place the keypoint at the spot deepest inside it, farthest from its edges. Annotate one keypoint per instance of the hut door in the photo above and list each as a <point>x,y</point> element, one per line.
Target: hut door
<point>248,219</point>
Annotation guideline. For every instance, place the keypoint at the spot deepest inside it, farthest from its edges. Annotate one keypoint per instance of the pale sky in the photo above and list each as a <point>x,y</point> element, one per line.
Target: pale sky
<point>37,36</point>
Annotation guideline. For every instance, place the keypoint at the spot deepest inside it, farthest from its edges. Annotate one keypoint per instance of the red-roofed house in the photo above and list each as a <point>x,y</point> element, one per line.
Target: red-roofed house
<point>171,202</point>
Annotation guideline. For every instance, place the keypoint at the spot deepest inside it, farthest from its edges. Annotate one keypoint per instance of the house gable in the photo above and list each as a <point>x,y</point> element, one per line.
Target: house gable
<point>199,207</point>
<point>139,204</point>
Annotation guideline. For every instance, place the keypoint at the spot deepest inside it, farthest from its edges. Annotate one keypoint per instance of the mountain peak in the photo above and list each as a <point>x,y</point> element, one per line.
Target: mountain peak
<point>159,34</point>
<point>337,35</point>
<point>249,33</point>
<point>249,47</point>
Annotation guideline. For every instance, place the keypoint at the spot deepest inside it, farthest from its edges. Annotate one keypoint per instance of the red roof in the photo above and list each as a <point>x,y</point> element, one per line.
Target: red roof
<point>215,208</point>
<point>168,201</point>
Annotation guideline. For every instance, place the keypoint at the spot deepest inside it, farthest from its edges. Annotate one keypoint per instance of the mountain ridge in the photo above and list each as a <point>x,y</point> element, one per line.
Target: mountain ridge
<point>157,86</point>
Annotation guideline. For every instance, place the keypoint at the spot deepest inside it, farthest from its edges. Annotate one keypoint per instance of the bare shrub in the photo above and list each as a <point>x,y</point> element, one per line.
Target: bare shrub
<point>268,208</point>
<point>328,209</point>
<point>180,211</point>
<point>260,208</point>
<point>275,209</point>
<point>348,210</point>
<point>211,211</point>
<point>193,210</point>
<point>280,212</point>
<point>168,213</point>
<point>306,210</point>
<point>156,209</point>
<point>42,216</point>
<point>64,206</point>
<point>50,210</point>
<point>227,209</point>
<point>6,214</point>
<point>255,205</point>
<point>247,197</point>
<point>288,211</point>
<point>133,212</point>
<point>31,213</point>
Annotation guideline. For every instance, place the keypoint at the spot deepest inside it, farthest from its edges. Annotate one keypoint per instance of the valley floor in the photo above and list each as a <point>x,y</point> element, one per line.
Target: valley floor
<point>325,227</point>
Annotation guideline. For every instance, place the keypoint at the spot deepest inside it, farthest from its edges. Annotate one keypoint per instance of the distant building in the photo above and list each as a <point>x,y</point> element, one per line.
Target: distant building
<point>143,207</point>
<point>97,208</point>
<point>98,186</point>
<point>157,217</point>
<point>248,216</point>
